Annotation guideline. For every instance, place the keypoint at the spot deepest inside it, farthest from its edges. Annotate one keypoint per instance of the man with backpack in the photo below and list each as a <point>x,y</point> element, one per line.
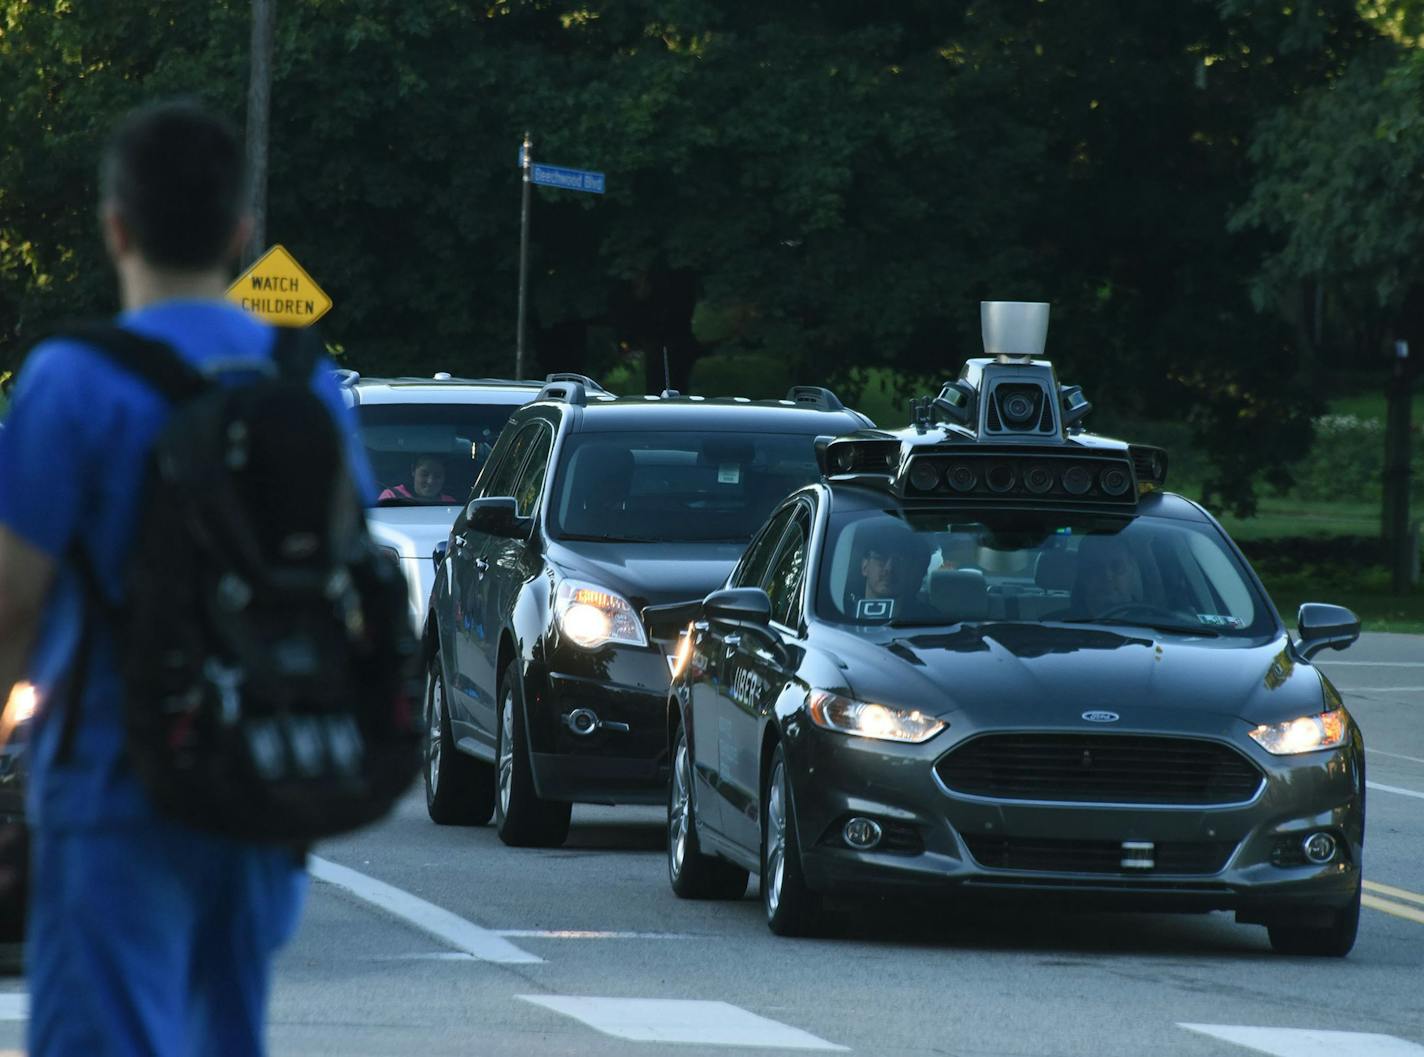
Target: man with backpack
<point>193,734</point>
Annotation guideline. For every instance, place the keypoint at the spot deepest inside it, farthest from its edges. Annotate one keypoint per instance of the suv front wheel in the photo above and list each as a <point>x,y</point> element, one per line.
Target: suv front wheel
<point>459,790</point>
<point>522,819</point>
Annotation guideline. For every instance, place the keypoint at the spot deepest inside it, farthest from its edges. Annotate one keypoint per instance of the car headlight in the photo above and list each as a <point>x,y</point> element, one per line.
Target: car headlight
<point>20,708</point>
<point>591,616</point>
<point>1328,730</point>
<point>870,720</point>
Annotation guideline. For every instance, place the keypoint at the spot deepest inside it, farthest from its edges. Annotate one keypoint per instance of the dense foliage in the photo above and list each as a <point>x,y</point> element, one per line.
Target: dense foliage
<point>795,189</point>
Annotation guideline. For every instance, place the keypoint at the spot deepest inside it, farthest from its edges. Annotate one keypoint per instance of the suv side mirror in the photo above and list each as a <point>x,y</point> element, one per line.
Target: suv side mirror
<point>496,516</point>
<point>665,623</point>
<point>738,605</point>
<point>1322,625</point>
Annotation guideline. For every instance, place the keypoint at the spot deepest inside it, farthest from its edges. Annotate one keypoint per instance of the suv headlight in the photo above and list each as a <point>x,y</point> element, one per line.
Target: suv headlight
<point>868,720</point>
<point>591,616</point>
<point>1327,730</point>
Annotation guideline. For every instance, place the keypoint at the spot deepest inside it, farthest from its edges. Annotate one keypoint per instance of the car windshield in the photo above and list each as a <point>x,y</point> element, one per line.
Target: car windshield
<point>931,567</point>
<point>675,487</point>
<point>428,453</point>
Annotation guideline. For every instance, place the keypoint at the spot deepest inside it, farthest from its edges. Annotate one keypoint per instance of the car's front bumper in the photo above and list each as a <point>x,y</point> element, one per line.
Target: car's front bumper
<point>1229,857</point>
<point>622,759</point>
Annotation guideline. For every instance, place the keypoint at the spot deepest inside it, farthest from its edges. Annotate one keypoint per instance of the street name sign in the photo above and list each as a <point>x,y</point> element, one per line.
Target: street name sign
<point>279,290</point>
<point>568,179</point>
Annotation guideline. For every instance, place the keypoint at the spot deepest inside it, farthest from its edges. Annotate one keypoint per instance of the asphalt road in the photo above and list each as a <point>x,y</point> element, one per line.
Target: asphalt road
<point>592,953</point>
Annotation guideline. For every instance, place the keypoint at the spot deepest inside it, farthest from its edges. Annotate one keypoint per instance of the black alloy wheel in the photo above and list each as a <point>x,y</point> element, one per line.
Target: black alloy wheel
<point>792,909</point>
<point>1333,940</point>
<point>522,819</point>
<point>694,875</point>
<point>459,789</point>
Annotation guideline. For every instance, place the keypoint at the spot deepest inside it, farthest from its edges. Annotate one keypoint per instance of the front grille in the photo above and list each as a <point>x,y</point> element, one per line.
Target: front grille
<point>1100,768</point>
<point>1096,856</point>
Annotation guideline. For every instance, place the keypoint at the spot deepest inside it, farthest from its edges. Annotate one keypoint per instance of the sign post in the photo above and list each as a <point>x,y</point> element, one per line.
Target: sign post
<point>279,290</point>
<point>545,176</point>
<point>526,161</point>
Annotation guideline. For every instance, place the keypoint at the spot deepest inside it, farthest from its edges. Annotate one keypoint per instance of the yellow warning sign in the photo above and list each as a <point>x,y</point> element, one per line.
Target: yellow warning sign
<point>279,290</point>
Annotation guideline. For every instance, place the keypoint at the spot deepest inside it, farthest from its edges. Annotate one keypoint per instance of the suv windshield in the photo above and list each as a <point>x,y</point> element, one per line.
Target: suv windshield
<point>428,453</point>
<point>908,567</point>
<point>678,487</point>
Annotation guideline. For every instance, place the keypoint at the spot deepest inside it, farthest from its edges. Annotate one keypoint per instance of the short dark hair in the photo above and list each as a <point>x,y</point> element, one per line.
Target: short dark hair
<point>174,172</point>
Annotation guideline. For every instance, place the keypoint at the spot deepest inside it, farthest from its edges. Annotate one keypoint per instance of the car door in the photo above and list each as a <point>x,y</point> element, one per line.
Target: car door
<point>710,708</point>
<point>756,675</point>
<point>505,564</point>
<point>472,681</point>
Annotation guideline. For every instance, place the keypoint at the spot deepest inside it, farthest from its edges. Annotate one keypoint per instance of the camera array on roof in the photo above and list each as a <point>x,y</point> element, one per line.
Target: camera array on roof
<point>1004,432</point>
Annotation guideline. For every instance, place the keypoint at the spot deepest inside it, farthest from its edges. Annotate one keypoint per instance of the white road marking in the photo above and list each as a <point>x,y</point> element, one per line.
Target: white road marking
<point>1397,756</point>
<point>450,928</point>
<point>582,934</point>
<point>1379,689</point>
<point>1395,893</point>
<point>14,1005</point>
<point>1395,789</point>
<point>1399,910</point>
<point>1298,1042</point>
<point>678,1020</point>
<point>1374,664</point>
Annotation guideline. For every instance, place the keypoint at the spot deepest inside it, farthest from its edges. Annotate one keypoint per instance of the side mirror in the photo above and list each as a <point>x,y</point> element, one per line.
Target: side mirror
<point>496,516</point>
<point>665,623</point>
<point>738,605</point>
<point>438,554</point>
<point>1321,626</point>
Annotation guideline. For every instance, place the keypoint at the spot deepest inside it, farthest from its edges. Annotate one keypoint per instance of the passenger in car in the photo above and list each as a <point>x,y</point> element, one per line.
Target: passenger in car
<point>1108,576</point>
<point>427,475</point>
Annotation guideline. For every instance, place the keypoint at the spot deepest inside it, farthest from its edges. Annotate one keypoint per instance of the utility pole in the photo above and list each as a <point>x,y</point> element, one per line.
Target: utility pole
<point>1402,542</point>
<point>526,163</point>
<point>259,109</point>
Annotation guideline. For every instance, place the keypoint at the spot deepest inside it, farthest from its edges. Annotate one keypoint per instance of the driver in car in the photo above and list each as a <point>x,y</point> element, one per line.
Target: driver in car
<point>892,565</point>
<point>427,479</point>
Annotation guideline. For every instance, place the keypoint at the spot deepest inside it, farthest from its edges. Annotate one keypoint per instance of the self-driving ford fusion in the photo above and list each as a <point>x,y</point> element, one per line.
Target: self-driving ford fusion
<point>989,651</point>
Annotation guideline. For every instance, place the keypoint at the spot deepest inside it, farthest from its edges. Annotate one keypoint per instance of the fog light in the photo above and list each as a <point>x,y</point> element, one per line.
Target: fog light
<point>862,833</point>
<point>1319,848</point>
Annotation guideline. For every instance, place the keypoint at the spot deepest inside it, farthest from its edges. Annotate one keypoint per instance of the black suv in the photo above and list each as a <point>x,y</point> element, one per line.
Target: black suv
<point>543,686</point>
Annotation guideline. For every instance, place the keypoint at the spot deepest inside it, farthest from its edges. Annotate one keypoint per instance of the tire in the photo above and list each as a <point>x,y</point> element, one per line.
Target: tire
<point>792,909</point>
<point>694,875</point>
<point>459,789</point>
<point>1322,941</point>
<point>521,818</point>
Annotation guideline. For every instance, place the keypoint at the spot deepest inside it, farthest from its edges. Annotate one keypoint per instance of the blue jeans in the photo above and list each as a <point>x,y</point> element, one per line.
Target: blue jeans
<point>156,940</point>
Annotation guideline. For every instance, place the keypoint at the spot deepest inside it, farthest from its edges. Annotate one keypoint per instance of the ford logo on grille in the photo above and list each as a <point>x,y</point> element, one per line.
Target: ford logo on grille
<point>1101,717</point>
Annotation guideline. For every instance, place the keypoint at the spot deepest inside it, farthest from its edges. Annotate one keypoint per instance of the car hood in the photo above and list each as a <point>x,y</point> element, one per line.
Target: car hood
<point>649,573</point>
<point>412,530</point>
<point>1050,675</point>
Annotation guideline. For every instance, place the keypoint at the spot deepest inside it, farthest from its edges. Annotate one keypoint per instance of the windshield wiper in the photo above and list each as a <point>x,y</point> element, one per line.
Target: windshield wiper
<point>611,539</point>
<point>1177,629</point>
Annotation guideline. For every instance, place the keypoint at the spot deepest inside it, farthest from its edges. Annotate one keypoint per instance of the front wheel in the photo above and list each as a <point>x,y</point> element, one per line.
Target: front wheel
<point>1333,940</point>
<point>694,875</point>
<point>792,909</point>
<point>522,819</point>
<point>459,790</point>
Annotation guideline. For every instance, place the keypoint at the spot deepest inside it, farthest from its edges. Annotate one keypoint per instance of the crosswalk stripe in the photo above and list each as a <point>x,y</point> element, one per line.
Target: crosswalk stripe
<point>1399,910</point>
<point>1416,794</point>
<point>680,1020</point>
<point>1299,1042</point>
<point>1396,893</point>
<point>437,921</point>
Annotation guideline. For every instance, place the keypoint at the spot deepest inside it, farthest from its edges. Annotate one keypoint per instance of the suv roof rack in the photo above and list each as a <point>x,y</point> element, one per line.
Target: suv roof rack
<point>582,379</point>
<point>814,396</point>
<point>568,392</point>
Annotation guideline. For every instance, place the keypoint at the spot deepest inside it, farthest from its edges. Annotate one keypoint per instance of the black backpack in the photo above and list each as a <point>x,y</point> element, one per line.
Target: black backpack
<point>263,639</point>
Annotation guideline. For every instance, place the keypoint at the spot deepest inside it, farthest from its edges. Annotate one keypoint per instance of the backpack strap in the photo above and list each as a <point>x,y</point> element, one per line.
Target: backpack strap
<point>153,361</point>
<point>296,351</point>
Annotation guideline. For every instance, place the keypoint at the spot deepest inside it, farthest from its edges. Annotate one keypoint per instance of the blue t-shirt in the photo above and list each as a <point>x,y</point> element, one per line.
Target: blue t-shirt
<point>72,462</point>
